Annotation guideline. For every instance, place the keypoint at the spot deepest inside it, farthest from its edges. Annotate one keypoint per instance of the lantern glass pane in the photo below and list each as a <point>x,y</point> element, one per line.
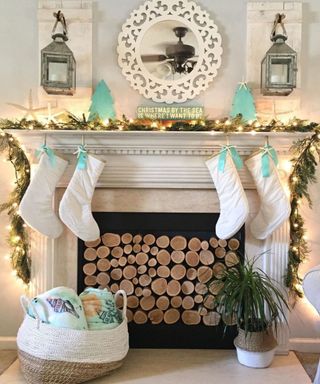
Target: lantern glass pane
<point>279,71</point>
<point>58,71</point>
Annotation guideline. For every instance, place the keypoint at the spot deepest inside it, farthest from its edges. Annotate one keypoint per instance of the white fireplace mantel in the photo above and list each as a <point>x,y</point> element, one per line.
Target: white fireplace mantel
<point>154,172</point>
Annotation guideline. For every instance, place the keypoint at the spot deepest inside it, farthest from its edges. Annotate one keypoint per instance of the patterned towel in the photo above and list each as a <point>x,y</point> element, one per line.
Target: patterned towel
<point>100,309</point>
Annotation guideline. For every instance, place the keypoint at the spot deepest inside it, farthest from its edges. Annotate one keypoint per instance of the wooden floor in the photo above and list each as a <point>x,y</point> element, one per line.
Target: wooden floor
<point>190,367</point>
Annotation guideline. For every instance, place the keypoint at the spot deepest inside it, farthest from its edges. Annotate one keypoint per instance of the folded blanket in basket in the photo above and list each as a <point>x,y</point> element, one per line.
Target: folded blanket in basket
<point>60,307</point>
<point>100,309</point>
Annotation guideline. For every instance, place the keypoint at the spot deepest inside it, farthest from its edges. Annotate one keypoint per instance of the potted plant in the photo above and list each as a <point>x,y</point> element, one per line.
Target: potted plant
<point>258,304</point>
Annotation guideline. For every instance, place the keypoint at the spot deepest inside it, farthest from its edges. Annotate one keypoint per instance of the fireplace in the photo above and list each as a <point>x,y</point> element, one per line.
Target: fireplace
<point>170,265</point>
<point>154,172</point>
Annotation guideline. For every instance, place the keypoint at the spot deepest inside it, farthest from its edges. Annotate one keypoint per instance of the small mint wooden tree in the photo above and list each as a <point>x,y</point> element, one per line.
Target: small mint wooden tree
<point>102,106</point>
<point>243,103</point>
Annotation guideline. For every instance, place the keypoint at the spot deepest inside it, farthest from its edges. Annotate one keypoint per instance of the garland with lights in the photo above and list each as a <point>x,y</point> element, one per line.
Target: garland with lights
<point>303,173</point>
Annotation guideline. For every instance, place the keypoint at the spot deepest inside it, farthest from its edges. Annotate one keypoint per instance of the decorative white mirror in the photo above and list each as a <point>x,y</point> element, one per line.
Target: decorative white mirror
<point>169,50</point>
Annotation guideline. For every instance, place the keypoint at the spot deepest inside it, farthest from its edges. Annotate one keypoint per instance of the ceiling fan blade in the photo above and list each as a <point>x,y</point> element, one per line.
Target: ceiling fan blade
<point>153,58</point>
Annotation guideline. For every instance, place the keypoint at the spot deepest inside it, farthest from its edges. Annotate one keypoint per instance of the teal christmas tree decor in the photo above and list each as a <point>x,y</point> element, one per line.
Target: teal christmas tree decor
<point>243,103</point>
<point>102,103</point>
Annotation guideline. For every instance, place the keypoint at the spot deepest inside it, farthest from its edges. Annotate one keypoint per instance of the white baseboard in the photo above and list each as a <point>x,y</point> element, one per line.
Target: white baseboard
<point>8,342</point>
<point>304,344</point>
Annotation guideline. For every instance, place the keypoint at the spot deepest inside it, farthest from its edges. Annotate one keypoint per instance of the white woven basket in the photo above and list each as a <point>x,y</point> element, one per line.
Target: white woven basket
<point>42,341</point>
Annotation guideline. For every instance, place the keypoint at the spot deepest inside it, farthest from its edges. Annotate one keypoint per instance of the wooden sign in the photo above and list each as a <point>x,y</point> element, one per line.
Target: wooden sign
<point>170,113</point>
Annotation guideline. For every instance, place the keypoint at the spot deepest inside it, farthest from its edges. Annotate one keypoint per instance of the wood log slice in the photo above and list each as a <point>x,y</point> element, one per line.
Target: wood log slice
<point>146,292</point>
<point>135,281</point>
<point>178,243</point>
<point>191,317</point>
<point>212,319</point>
<point>163,241</point>
<point>163,257</point>
<point>163,303</point>
<point>129,315</point>
<point>204,274</point>
<point>103,279</point>
<point>187,302</point>
<point>177,256</point>
<point>126,238</point>
<point>176,302</point>
<point>154,251</point>
<point>163,271</point>
<point>136,248</point>
<point>152,272</point>
<point>145,248</point>
<point>171,316</point>
<point>127,249</point>
<point>147,303</point>
<point>173,288</point>
<point>142,258</point>
<point>191,274</point>
<point>137,239</point>
<point>178,272</point>
<point>127,286</point>
<point>142,269</point>
<point>192,258</point>
<point>229,319</point>
<point>187,287</point>
<point>140,317</point>
<point>133,302</point>
<point>92,244</point>
<point>90,254</point>
<point>114,287</point>
<point>198,299</point>
<point>138,291</point>
<point>156,316</point>
<point>194,244</point>
<point>122,261</point>
<point>131,259</point>
<point>90,281</point>
<point>201,288</point>
<point>103,265</point>
<point>231,259</point>
<point>204,245</point>
<point>233,244</point>
<point>159,286</point>
<point>111,239</point>
<point>89,269</point>
<point>116,274</point>
<point>214,242</point>
<point>114,263</point>
<point>220,252</point>
<point>209,301</point>
<point>149,239</point>
<point>103,252</point>
<point>129,272</point>
<point>219,270</point>
<point>206,257</point>
<point>215,286</point>
<point>202,311</point>
<point>145,280</point>
<point>222,243</point>
<point>152,262</point>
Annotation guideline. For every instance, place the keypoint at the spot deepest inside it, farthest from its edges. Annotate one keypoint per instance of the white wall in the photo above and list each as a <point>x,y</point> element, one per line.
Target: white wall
<point>19,72</point>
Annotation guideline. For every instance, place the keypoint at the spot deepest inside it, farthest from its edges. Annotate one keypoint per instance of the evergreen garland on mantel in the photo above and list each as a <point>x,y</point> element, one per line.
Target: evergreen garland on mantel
<point>303,173</point>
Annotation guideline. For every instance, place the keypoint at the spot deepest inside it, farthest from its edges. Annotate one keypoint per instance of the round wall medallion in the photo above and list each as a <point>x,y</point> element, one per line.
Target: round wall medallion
<point>169,50</point>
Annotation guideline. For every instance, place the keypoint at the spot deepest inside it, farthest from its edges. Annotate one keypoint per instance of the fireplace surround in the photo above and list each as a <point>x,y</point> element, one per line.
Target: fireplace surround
<point>154,172</point>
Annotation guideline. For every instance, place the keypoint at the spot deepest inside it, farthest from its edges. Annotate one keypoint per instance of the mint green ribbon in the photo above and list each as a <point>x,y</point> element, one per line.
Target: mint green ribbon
<point>49,152</point>
<point>82,156</point>
<point>268,152</point>
<point>234,155</point>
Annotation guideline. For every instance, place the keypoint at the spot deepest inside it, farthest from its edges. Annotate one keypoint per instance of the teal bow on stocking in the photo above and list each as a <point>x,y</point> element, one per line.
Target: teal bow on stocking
<point>49,152</point>
<point>234,155</point>
<point>268,152</point>
<point>82,156</point>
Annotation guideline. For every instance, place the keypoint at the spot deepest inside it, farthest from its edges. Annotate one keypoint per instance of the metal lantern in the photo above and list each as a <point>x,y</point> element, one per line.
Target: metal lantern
<point>279,66</point>
<point>58,65</point>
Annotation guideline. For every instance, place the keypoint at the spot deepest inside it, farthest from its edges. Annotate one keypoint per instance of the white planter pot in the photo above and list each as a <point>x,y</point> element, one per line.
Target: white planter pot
<point>255,359</point>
